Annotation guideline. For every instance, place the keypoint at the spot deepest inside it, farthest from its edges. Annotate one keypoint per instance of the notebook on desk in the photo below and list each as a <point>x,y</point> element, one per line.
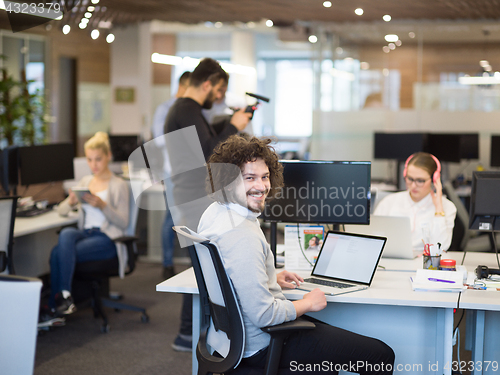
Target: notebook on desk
<point>397,229</point>
<point>346,262</point>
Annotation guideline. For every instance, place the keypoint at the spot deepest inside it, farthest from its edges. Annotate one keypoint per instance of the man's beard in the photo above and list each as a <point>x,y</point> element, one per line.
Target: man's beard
<point>261,207</point>
<point>209,101</point>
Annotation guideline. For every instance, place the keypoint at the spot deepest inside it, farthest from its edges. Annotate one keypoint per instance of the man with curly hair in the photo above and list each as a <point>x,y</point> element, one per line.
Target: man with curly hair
<point>244,173</point>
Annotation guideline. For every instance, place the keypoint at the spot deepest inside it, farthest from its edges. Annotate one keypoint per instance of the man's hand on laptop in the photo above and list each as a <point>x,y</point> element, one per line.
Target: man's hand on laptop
<point>287,279</point>
<point>312,301</point>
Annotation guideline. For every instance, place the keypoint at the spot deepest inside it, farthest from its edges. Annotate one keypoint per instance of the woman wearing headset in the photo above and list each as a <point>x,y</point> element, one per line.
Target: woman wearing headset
<point>432,216</point>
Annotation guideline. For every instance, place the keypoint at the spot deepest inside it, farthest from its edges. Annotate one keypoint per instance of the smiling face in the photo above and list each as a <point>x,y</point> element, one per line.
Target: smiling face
<point>418,176</point>
<point>256,185</point>
<point>98,161</point>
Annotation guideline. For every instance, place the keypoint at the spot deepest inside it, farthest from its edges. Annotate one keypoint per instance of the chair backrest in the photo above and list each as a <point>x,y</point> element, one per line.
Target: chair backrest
<point>135,185</point>
<point>461,232</point>
<point>219,305</point>
<point>7,219</point>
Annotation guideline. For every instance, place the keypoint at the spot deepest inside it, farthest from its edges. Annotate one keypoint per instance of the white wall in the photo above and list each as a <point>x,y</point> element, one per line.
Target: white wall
<point>131,68</point>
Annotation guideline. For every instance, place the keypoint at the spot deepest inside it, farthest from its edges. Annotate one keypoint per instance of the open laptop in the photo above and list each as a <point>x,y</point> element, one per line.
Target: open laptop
<point>346,262</point>
<point>397,229</point>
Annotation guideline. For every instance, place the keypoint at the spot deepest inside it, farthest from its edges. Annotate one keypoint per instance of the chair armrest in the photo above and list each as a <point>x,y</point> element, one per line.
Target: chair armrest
<point>288,327</point>
<point>125,239</point>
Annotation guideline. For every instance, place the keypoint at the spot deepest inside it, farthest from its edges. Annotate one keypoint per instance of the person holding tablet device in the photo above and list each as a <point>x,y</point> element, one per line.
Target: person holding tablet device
<point>103,199</point>
<point>432,216</point>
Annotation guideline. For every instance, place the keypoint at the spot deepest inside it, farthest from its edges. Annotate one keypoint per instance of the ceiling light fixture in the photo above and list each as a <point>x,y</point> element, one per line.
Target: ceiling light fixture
<point>66,29</point>
<point>82,25</point>
<point>94,34</point>
<point>387,18</point>
<point>392,46</point>
<point>269,23</point>
<point>90,8</point>
<point>313,38</point>
<point>411,34</point>
<point>391,37</point>
<point>327,4</point>
<point>94,1</point>
<point>110,38</point>
<point>398,43</point>
<point>88,15</point>
<point>386,49</point>
<point>359,11</point>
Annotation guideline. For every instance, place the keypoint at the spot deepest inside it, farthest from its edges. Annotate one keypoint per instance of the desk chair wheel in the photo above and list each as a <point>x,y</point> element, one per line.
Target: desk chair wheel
<point>144,318</point>
<point>105,328</point>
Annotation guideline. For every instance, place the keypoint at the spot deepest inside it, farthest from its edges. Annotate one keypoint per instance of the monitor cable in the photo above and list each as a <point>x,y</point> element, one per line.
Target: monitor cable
<point>300,245</point>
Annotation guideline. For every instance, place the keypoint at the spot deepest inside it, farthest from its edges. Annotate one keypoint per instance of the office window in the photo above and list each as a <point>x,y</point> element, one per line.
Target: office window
<point>293,101</point>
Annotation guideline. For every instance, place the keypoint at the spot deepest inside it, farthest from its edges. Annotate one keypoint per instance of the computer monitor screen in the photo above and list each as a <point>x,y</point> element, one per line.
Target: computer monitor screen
<point>9,167</point>
<point>46,163</point>
<point>485,201</point>
<point>322,192</point>
<point>398,145</point>
<point>446,147</point>
<point>495,151</point>
<point>469,146</point>
<point>122,146</point>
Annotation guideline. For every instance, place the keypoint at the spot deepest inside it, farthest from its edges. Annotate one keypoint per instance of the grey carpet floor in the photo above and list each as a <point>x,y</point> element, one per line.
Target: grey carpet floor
<point>131,347</point>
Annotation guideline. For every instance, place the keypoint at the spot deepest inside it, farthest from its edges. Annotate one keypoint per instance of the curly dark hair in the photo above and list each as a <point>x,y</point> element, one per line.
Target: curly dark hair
<point>238,150</point>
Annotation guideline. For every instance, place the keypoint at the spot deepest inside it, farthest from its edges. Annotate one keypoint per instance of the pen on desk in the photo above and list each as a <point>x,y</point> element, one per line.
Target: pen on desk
<point>441,280</point>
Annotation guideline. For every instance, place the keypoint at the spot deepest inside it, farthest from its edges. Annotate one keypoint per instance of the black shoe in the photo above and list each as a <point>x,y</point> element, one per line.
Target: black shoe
<point>64,306</point>
<point>168,272</point>
<point>48,318</point>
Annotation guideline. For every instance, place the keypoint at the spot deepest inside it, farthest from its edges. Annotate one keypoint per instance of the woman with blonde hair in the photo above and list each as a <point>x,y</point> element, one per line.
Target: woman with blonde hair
<point>103,215</point>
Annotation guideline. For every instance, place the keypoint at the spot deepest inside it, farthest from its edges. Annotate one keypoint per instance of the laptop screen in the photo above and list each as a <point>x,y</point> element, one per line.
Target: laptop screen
<point>349,257</point>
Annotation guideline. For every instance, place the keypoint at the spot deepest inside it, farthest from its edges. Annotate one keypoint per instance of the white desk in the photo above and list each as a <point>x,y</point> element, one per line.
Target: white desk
<point>483,317</point>
<point>417,325</point>
<point>34,238</point>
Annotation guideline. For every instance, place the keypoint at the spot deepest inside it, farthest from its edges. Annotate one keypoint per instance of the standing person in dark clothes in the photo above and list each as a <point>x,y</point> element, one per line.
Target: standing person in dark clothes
<point>206,85</point>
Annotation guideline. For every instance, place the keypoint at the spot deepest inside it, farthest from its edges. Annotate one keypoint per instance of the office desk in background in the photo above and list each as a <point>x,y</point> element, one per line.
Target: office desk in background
<point>417,325</point>
<point>34,238</point>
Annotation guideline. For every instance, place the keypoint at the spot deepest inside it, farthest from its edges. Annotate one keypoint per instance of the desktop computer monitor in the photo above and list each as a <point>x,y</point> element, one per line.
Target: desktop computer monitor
<point>46,163</point>
<point>398,145</point>
<point>495,151</point>
<point>445,146</point>
<point>122,146</point>
<point>469,146</point>
<point>322,192</point>
<point>9,168</point>
<point>485,201</point>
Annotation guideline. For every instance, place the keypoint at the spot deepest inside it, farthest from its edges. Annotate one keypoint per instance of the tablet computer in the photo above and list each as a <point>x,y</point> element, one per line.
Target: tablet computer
<point>80,192</point>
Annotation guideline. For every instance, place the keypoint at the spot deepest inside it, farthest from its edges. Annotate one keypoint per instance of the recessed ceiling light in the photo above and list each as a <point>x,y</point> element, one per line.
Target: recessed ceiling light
<point>386,49</point>
<point>392,46</point>
<point>66,29</point>
<point>359,11</point>
<point>82,25</point>
<point>398,43</point>
<point>327,4</point>
<point>411,34</point>
<point>110,38</point>
<point>88,14</point>
<point>313,38</point>
<point>94,34</point>
<point>94,1</point>
<point>269,23</point>
<point>90,8</point>
<point>386,18</point>
<point>391,37</point>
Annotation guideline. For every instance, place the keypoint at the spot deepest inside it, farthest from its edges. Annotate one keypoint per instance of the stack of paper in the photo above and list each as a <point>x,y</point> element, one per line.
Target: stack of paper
<point>437,281</point>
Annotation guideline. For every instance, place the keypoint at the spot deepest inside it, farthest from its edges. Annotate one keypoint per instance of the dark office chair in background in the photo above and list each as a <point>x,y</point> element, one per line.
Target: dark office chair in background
<point>96,274</point>
<point>219,304</point>
<point>7,218</point>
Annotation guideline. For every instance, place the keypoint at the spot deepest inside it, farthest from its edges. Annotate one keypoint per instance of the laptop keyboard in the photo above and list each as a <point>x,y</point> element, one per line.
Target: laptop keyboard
<point>327,283</point>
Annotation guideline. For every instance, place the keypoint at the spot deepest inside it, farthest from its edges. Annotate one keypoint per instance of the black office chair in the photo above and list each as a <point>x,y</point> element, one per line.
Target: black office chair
<point>95,275</point>
<point>219,304</point>
<point>8,207</point>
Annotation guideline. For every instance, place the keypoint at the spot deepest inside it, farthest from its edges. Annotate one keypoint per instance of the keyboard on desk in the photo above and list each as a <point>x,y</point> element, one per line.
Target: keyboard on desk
<point>30,212</point>
<point>333,284</point>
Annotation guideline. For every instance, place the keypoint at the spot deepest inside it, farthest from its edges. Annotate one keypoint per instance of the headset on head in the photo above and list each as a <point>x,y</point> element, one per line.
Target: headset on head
<point>437,173</point>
